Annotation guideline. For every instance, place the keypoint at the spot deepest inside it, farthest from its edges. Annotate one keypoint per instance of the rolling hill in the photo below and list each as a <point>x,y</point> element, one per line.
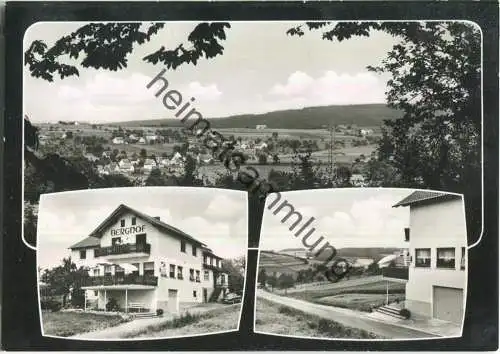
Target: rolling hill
<point>306,118</point>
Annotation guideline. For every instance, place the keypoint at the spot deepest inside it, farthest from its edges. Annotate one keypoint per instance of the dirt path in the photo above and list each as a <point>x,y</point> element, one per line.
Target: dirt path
<point>349,318</point>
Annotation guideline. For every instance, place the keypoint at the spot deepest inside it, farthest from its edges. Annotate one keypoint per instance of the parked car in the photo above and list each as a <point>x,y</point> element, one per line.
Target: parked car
<point>231,298</point>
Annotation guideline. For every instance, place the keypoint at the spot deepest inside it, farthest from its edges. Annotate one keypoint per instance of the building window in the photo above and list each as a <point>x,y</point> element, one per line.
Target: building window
<point>83,254</point>
<point>134,221</point>
<point>183,246</point>
<point>462,260</point>
<point>206,275</point>
<point>96,293</point>
<point>211,261</point>
<point>149,268</point>
<point>107,270</point>
<point>194,293</point>
<point>197,276</point>
<point>445,258</point>
<point>194,250</point>
<point>423,257</point>
<point>179,273</point>
<point>191,274</point>
<point>96,272</point>
<point>204,259</point>
<point>223,279</point>
<point>218,262</point>
<point>95,252</point>
<point>116,241</point>
<point>135,272</point>
<point>172,271</point>
<point>122,223</point>
<point>119,271</point>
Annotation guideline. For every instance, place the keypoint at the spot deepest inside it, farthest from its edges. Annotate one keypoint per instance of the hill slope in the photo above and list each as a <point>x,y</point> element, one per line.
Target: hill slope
<point>306,118</point>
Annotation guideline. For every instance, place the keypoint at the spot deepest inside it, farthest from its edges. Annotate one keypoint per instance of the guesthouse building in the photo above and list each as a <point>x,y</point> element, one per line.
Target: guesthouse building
<point>141,263</point>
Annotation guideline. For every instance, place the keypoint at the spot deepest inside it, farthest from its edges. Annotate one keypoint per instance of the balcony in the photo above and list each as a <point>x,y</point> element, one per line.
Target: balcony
<point>128,279</point>
<point>400,273</point>
<point>126,249</point>
<point>212,267</point>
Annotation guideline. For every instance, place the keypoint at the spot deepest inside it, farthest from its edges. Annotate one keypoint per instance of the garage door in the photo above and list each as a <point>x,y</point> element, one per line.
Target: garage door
<point>448,304</point>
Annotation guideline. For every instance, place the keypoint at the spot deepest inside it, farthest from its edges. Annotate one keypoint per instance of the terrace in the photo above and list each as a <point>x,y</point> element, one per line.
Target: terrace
<point>128,279</point>
<point>127,249</point>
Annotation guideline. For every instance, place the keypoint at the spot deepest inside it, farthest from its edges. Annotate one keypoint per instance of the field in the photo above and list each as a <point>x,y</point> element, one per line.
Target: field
<point>65,324</point>
<point>278,319</point>
<point>224,319</point>
<point>360,297</point>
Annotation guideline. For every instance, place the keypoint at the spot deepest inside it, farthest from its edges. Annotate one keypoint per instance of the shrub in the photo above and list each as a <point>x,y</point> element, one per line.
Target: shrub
<point>112,305</point>
<point>51,305</point>
<point>286,310</point>
<point>159,312</point>
<point>405,313</point>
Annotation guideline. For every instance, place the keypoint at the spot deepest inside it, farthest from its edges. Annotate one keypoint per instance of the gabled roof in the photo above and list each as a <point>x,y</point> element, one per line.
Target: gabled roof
<point>155,222</point>
<point>419,197</point>
<point>210,252</point>
<point>87,243</point>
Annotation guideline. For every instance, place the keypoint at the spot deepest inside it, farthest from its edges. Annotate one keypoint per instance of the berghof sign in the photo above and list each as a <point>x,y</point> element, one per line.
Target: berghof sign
<point>128,230</point>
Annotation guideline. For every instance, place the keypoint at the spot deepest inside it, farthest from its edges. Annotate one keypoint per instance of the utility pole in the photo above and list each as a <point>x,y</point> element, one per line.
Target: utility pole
<point>330,151</point>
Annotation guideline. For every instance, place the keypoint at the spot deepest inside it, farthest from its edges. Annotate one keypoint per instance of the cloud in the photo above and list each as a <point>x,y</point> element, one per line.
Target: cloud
<point>202,93</point>
<point>107,89</point>
<point>224,207</point>
<point>331,88</point>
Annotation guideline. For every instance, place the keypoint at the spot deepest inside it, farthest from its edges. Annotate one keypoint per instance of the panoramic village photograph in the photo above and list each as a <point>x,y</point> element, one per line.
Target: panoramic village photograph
<point>304,104</point>
<point>362,264</point>
<point>139,263</point>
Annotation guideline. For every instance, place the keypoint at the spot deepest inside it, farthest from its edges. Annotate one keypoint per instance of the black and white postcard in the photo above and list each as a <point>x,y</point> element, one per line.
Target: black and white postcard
<point>250,176</point>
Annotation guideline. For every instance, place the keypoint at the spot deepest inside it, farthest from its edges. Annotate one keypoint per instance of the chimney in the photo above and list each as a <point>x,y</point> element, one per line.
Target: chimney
<point>407,234</point>
<point>157,218</point>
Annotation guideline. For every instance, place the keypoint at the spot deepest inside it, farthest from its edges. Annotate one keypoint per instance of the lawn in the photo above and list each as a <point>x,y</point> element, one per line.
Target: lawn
<point>277,319</point>
<point>361,302</point>
<point>65,324</point>
<point>362,297</point>
<point>222,319</point>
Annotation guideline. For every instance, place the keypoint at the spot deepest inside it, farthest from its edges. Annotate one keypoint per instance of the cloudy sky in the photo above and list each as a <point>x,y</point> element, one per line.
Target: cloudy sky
<point>214,216</point>
<point>349,217</point>
<point>262,69</point>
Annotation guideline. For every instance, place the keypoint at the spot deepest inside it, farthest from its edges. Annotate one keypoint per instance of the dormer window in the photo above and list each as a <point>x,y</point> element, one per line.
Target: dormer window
<point>122,223</point>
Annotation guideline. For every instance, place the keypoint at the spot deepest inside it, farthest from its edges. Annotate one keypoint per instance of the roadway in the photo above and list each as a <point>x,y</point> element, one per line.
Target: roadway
<point>349,318</point>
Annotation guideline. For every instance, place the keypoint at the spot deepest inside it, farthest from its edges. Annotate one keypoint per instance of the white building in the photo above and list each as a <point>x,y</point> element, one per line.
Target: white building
<point>126,166</point>
<point>261,126</point>
<point>118,140</point>
<point>437,240</point>
<point>145,264</point>
<point>149,164</point>
<point>357,180</point>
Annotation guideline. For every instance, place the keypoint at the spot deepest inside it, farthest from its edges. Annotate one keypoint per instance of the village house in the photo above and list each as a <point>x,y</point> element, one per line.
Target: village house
<point>118,140</point>
<point>357,180</point>
<point>437,240</point>
<point>261,126</point>
<point>126,166</point>
<point>145,264</point>
<point>141,140</point>
<point>149,164</point>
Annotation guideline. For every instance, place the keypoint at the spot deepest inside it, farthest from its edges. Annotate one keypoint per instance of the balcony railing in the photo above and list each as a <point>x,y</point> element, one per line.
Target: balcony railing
<point>123,249</point>
<point>211,266</point>
<point>128,279</point>
<point>395,272</point>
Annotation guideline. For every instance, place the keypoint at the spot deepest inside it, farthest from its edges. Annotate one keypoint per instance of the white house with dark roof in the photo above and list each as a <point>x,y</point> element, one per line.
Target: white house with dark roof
<point>145,264</point>
<point>437,240</point>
